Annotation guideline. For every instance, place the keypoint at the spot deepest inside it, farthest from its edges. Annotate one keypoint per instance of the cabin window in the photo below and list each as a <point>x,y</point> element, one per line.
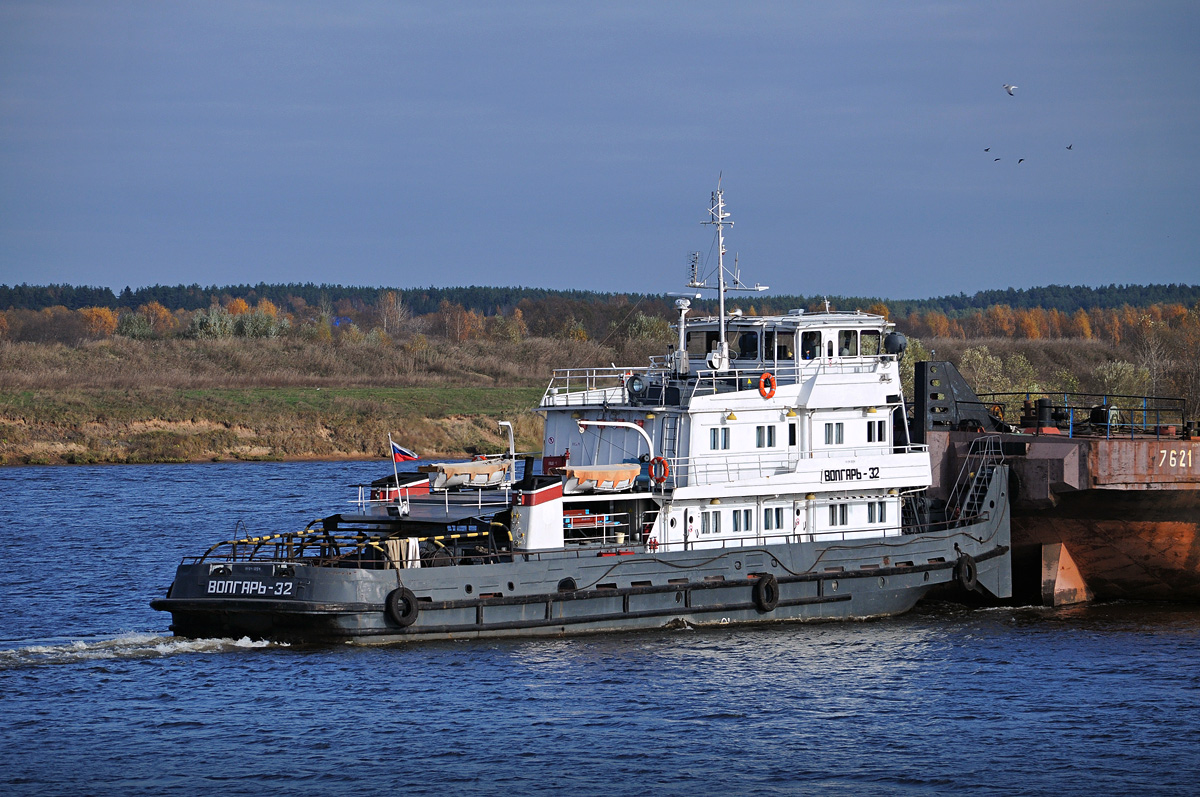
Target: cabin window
<point>745,345</point>
<point>834,434</point>
<point>810,345</point>
<point>869,340</point>
<point>780,345</point>
<point>743,520</point>
<point>710,522</point>
<point>718,438</point>
<point>876,432</point>
<point>877,512</point>
<point>848,343</point>
<point>701,343</point>
<point>764,436</point>
<point>837,515</point>
<point>772,518</point>
<point>791,434</point>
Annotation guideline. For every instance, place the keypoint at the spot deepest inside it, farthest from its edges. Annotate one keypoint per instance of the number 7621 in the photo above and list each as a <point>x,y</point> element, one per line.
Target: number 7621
<point>1175,459</point>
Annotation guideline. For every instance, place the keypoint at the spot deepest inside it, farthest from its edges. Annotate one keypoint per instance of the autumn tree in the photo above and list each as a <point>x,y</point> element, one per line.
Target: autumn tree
<point>879,308</point>
<point>1081,325</point>
<point>160,318</point>
<point>99,322</point>
<point>1001,320</point>
<point>237,306</point>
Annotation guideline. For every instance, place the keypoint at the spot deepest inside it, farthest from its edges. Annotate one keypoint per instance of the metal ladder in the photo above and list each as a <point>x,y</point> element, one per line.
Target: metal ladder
<point>670,444</point>
<point>984,456</point>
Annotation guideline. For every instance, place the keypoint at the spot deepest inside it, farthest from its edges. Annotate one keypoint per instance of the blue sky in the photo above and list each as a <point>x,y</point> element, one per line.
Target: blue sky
<point>573,145</point>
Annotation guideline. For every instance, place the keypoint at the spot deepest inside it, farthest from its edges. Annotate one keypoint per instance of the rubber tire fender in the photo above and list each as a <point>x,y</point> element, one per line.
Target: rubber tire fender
<point>766,593</point>
<point>967,572</point>
<point>402,607</point>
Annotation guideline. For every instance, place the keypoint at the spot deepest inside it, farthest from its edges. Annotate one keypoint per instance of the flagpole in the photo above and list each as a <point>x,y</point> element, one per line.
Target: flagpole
<point>395,472</point>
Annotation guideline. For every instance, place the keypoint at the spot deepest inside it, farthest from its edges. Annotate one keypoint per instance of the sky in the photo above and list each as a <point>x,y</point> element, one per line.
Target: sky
<point>575,145</point>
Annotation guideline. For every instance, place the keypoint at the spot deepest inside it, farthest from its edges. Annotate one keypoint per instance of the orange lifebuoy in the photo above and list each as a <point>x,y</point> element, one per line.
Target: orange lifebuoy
<point>659,470</point>
<point>766,385</point>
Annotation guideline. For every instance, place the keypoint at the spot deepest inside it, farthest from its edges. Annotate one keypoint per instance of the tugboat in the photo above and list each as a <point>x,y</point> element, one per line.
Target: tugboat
<point>759,472</point>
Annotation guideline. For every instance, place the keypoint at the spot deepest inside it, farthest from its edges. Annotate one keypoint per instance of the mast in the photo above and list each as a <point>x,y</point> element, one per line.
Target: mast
<point>719,359</point>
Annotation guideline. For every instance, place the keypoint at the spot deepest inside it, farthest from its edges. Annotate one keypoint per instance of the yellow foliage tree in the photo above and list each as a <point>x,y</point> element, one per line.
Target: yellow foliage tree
<point>879,308</point>
<point>237,307</point>
<point>266,307</point>
<point>1081,325</point>
<point>99,322</point>
<point>938,323</point>
<point>1001,321</point>
<point>160,318</point>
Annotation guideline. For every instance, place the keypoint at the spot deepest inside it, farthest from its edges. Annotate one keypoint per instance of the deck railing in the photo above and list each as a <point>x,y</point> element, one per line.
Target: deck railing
<point>1107,414</point>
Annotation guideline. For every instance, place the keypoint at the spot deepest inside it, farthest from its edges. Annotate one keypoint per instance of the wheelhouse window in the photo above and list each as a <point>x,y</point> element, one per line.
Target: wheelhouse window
<point>848,343</point>
<point>810,345</point>
<point>779,345</point>
<point>744,345</point>
<point>869,341</point>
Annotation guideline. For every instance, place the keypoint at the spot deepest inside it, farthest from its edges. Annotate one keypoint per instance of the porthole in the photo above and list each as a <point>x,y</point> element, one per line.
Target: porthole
<point>774,563</point>
<point>469,589</point>
<point>672,522</point>
<point>510,586</point>
<point>833,586</point>
<point>991,504</point>
<point>679,597</point>
<point>882,581</point>
<point>737,565</point>
<point>926,575</point>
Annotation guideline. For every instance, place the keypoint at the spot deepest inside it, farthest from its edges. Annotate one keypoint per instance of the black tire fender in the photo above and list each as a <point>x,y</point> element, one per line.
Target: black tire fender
<point>402,607</point>
<point>766,593</point>
<point>967,572</point>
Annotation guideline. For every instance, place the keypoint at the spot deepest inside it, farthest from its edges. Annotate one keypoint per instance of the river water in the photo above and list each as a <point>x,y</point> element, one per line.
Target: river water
<point>97,698</point>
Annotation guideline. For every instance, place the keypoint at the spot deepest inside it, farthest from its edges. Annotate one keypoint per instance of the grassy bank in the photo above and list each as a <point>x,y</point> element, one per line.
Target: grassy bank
<point>100,425</point>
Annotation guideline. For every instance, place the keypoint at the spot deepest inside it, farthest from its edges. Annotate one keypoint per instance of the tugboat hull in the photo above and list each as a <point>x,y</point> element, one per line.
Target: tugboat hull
<point>577,592</point>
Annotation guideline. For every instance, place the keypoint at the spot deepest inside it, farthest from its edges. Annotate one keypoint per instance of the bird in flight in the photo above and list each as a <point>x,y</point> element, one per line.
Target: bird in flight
<point>1070,146</point>
<point>1020,160</point>
<point>1009,89</point>
<point>989,149</point>
<point>997,160</point>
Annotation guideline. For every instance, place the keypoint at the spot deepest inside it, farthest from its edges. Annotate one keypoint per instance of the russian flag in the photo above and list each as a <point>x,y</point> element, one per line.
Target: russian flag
<point>400,453</point>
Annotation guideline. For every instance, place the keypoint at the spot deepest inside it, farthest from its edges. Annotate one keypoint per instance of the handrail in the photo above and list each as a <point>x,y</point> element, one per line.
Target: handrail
<point>1132,413</point>
<point>583,386</point>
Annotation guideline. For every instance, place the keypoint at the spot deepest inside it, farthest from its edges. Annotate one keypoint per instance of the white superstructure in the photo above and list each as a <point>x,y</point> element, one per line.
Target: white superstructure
<point>750,430</point>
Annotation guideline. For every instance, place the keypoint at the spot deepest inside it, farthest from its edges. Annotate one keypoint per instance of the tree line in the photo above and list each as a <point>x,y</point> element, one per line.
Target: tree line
<point>484,299</point>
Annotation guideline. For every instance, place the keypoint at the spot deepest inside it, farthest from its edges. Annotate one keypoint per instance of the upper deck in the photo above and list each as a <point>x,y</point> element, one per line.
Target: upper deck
<point>792,349</point>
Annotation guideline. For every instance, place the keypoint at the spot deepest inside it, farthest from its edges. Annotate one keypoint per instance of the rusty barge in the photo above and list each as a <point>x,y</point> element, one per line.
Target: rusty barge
<point>1105,490</point>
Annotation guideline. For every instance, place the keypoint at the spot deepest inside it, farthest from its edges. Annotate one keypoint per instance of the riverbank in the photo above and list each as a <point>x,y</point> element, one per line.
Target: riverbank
<point>93,425</point>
